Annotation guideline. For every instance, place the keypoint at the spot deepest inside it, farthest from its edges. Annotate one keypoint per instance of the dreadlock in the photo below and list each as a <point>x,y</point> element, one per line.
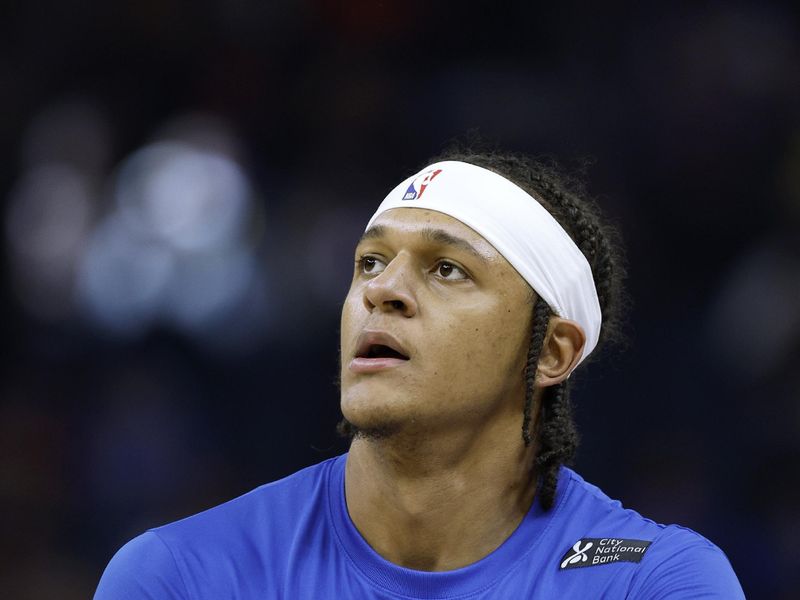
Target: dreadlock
<point>555,433</point>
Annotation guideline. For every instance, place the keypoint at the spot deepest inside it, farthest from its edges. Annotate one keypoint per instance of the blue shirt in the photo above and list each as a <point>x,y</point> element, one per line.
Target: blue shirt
<point>294,539</point>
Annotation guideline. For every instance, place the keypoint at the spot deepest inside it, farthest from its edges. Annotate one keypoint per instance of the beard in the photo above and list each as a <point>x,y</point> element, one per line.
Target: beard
<point>349,430</point>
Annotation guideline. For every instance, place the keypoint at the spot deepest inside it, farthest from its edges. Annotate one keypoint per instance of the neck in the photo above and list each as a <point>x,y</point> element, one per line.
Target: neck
<point>438,502</point>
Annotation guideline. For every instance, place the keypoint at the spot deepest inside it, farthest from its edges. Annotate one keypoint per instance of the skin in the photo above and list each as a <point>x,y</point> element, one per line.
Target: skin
<point>442,477</point>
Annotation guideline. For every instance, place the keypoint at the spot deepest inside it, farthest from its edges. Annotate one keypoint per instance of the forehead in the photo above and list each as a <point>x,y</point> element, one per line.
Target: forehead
<point>431,226</point>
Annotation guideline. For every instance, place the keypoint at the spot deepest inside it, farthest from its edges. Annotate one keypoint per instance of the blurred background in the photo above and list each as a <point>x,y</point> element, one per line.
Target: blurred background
<point>182,185</point>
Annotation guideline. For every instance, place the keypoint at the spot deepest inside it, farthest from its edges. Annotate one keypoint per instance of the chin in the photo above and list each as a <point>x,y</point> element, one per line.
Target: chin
<point>368,417</point>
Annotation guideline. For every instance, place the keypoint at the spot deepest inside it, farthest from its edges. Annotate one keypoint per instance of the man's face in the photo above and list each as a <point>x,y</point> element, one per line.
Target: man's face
<point>435,327</point>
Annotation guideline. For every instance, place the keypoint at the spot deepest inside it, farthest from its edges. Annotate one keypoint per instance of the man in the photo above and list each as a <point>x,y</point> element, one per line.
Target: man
<point>480,284</point>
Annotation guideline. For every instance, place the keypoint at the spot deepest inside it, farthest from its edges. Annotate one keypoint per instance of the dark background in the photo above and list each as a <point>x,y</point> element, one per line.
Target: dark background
<point>182,185</point>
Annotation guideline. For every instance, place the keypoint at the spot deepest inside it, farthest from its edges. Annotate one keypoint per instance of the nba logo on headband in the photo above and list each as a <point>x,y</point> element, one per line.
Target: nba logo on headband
<point>421,181</point>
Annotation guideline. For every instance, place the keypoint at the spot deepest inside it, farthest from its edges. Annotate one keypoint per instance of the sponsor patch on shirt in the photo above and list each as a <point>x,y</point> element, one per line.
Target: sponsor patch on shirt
<point>588,552</point>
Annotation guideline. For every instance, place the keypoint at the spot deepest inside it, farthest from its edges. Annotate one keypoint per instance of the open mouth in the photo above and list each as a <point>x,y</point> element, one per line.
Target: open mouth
<point>381,351</point>
<point>377,351</point>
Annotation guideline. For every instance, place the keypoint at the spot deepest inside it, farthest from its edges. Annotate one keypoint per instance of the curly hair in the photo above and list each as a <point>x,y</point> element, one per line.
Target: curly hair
<point>565,199</point>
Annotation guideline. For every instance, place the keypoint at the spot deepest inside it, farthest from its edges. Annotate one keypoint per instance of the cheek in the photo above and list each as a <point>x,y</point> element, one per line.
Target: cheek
<point>486,342</point>
<point>513,327</point>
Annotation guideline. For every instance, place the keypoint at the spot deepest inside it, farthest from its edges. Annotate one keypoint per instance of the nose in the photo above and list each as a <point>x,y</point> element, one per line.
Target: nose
<point>390,291</point>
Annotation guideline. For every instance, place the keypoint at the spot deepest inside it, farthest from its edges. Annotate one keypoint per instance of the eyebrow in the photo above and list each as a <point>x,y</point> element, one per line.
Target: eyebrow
<point>437,236</point>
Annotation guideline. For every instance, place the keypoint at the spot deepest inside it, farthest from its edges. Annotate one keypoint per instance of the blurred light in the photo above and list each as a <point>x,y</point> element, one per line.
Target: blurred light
<point>177,247</point>
<point>48,217</point>
<point>193,200</point>
<point>122,278</point>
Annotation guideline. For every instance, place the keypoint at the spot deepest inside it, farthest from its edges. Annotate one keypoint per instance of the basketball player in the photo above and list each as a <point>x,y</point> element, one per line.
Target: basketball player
<point>480,284</point>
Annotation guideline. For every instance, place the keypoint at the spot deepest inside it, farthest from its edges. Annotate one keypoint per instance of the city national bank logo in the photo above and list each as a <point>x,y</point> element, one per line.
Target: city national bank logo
<point>579,554</point>
<point>588,552</point>
<point>421,181</point>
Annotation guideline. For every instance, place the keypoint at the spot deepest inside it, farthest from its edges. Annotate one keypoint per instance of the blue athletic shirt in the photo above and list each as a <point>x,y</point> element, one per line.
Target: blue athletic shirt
<point>293,539</point>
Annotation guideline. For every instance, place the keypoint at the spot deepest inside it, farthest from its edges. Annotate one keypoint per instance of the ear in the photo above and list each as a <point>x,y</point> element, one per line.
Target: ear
<point>561,351</point>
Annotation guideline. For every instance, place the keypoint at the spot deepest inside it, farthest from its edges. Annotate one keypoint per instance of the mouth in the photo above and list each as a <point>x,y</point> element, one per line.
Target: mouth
<point>377,351</point>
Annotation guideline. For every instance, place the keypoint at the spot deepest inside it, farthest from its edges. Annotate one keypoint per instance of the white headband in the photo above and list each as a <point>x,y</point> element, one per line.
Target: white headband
<point>517,226</point>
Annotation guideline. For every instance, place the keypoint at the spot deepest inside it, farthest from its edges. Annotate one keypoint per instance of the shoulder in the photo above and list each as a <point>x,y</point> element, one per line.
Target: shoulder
<point>683,564</point>
<point>213,547</point>
<point>142,568</point>
<point>266,511</point>
<point>664,561</point>
<point>587,507</point>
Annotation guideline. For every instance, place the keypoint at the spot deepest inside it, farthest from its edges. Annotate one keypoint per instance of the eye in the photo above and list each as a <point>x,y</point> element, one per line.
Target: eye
<point>371,265</point>
<point>449,271</point>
